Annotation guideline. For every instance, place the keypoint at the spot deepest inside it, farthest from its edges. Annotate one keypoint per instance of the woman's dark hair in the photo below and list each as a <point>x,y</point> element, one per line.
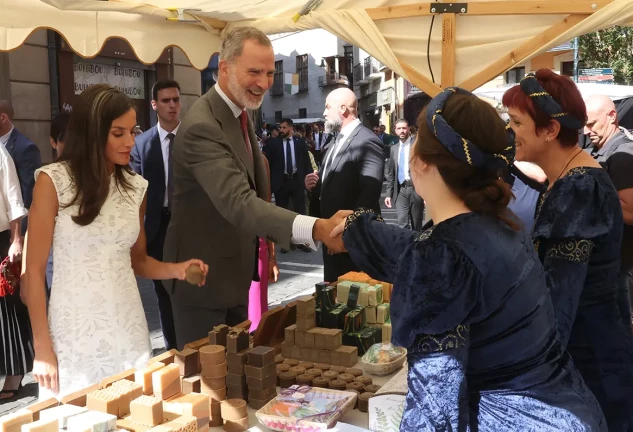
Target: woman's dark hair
<point>84,149</point>
<point>482,190</point>
<point>59,125</point>
<point>563,90</point>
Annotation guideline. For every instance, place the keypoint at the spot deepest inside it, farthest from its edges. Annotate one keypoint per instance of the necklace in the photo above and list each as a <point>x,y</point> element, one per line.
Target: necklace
<point>568,162</point>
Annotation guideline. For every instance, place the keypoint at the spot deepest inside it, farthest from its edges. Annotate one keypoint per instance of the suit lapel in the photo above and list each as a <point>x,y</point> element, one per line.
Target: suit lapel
<point>341,153</point>
<point>11,143</point>
<point>233,131</point>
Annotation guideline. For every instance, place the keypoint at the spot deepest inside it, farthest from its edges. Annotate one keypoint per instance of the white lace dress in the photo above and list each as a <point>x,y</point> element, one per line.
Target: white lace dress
<point>95,315</point>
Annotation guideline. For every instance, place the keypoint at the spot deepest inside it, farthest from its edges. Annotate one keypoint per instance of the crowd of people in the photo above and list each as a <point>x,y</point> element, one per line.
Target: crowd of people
<point>513,301</point>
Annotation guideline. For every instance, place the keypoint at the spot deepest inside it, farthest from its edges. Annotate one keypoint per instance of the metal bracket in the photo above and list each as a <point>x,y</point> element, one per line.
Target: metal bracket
<point>181,14</point>
<point>456,8</point>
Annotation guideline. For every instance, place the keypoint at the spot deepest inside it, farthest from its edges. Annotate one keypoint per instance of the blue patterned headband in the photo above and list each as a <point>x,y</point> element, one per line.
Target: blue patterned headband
<point>459,146</point>
<point>548,104</point>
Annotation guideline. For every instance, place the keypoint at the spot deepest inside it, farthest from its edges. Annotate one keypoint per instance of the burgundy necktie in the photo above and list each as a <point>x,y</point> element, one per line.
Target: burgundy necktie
<point>244,125</point>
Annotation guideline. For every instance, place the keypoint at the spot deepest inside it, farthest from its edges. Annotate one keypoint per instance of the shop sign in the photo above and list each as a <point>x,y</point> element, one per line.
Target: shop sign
<point>129,80</point>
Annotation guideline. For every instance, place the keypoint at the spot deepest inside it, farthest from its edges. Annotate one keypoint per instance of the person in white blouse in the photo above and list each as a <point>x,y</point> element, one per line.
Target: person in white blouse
<point>15,331</point>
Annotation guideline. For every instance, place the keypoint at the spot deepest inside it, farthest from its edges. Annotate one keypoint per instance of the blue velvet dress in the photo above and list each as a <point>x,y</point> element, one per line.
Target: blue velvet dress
<point>577,235</point>
<point>471,305</point>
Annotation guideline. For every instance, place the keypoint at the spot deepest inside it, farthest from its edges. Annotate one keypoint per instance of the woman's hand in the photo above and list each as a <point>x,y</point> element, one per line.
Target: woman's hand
<point>273,270</point>
<point>338,230</point>
<point>15,250</point>
<point>179,270</point>
<point>45,369</point>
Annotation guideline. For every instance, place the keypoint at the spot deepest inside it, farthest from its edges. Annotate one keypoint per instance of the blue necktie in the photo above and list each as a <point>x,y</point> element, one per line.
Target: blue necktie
<point>401,165</point>
<point>288,158</point>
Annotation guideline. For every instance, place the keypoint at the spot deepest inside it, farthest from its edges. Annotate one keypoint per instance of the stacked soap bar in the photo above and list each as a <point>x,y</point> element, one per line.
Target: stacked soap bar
<point>188,361</point>
<point>261,376</point>
<point>213,378</point>
<point>93,421</point>
<point>41,426</point>
<point>316,344</point>
<point>166,381</point>
<point>193,404</point>
<point>147,411</point>
<point>13,422</point>
<point>61,413</point>
<point>235,415</point>
<point>236,359</point>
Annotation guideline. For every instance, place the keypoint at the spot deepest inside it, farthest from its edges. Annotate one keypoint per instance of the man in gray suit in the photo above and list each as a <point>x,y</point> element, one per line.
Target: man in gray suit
<point>220,187</point>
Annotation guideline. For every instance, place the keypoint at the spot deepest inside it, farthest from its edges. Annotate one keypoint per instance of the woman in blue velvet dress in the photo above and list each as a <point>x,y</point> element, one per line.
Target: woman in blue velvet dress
<point>470,302</point>
<point>577,236</point>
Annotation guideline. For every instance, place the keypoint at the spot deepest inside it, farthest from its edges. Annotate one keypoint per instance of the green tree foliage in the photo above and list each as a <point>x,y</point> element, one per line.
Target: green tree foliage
<point>612,47</point>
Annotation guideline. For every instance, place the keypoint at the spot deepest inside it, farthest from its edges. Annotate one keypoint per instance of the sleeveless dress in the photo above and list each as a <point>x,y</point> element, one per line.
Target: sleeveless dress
<point>95,315</point>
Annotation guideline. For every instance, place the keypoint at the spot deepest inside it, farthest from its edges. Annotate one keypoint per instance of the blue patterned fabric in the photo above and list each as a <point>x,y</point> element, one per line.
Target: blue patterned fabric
<point>471,305</point>
<point>577,235</point>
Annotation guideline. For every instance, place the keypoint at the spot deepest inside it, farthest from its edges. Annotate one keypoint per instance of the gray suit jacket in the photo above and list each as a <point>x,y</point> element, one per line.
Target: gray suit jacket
<point>219,205</point>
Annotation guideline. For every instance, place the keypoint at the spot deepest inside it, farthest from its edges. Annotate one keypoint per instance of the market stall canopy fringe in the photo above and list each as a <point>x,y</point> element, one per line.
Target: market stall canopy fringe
<point>470,43</point>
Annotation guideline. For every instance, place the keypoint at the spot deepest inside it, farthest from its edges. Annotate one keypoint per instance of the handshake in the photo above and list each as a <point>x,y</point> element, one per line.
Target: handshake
<point>330,231</point>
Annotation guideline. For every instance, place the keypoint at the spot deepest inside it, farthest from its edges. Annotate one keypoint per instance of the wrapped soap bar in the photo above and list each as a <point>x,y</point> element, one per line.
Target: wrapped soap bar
<point>375,295</point>
<point>386,332</point>
<point>382,313</point>
<point>342,291</point>
<point>335,318</point>
<point>370,314</point>
<point>363,339</point>
<point>194,405</point>
<point>143,377</point>
<point>355,320</point>
<point>147,411</point>
<point>326,298</point>
<point>354,295</point>
<point>363,295</point>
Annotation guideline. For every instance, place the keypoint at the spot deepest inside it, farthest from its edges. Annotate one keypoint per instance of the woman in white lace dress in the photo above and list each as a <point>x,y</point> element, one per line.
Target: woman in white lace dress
<point>90,208</point>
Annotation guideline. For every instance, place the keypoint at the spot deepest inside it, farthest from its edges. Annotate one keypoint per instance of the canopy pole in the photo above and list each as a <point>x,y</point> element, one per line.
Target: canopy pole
<point>521,53</point>
<point>448,49</point>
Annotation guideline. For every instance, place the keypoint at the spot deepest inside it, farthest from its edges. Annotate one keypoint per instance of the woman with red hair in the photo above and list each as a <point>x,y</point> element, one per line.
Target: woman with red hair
<point>577,235</point>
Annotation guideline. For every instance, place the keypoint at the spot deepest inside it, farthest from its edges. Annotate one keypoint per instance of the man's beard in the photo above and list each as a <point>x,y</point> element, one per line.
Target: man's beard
<point>333,126</point>
<point>242,96</point>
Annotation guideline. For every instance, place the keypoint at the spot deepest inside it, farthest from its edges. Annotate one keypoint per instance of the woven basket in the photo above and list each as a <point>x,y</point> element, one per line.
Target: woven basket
<point>285,424</point>
<point>381,369</point>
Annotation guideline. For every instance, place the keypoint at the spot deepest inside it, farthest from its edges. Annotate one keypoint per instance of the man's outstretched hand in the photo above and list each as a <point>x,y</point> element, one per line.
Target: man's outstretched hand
<point>323,229</point>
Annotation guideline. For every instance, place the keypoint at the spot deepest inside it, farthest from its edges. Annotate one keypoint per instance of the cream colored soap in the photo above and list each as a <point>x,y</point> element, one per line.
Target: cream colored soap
<point>127,391</point>
<point>143,377</point>
<point>13,422</point>
<point>193,404</point>
<point>147,410</point>
<point>92,421</point>
<point>104,401</point>
<point>166,381</point>
<point>41,426</point>
<point>61,413</point>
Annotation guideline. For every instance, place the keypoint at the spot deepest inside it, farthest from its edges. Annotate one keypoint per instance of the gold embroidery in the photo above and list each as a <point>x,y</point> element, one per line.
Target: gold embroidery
<point>468,158</point>
<point>425,234</point>
<point>538,94</point>
<point>453,339</point>
<point>351,218</point>
<point>572,250</point>
<point>560,114</point>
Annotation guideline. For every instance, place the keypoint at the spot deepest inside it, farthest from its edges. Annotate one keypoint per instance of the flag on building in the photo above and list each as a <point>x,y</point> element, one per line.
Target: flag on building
<point>291,83</point>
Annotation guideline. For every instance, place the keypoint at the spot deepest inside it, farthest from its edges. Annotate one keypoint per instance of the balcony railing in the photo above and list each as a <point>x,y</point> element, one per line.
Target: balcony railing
<point>368,69</point>
<point>332,79</point>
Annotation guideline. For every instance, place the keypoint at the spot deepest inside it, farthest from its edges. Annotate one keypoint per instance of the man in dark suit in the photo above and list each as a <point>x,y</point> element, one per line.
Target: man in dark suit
<point>319,142</point>
<point>25,154</point>
<point>220,190</point>
<point>351,174</point>
<point>400,190</point>
<point>151,157</point>
<point>289,165</point>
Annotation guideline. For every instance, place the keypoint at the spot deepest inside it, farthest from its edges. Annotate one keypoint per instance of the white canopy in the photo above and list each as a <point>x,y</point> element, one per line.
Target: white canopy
<point>468,46</point>
<point>615,92</point>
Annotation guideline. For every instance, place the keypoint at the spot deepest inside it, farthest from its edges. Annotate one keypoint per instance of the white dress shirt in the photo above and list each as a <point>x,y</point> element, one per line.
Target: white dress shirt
<point>11,205</point>
<point>4,139</point>
<point>292,155</point>
<point>164,145</point>
<point>342,136</point>
<point>302,226</point>
<point>406,147</point>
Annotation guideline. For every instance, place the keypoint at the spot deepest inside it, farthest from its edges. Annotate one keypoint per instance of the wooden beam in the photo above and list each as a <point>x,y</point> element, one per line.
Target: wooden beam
<point>448,50</point>
<point>213,22</point>
<point>420,81</point>
<point>521,53</point>
<point>527,7</point>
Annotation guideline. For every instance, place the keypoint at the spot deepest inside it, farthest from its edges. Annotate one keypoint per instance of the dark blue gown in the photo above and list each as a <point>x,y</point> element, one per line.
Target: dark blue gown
<point>577,235</point>
<point>471,305</point>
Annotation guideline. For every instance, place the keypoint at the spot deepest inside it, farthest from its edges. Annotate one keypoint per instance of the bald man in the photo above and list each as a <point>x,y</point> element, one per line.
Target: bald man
<point>351,174</point>
<point>613,148</point>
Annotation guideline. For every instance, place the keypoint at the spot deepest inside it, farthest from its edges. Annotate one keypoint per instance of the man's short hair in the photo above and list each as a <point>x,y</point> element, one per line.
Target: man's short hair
<point>162,85</point>
<point>6,108</point>
<point>233,43</point>
<point>402,121</point>
<point>288,121</point>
